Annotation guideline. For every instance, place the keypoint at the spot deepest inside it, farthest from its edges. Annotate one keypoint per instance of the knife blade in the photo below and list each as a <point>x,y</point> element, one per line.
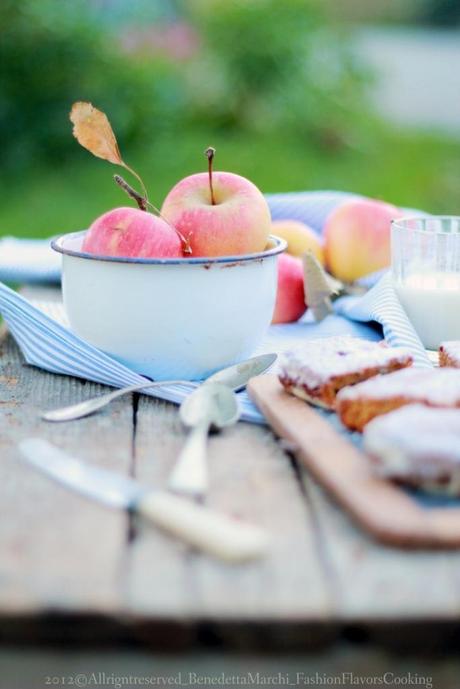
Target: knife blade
<point>211,532</point>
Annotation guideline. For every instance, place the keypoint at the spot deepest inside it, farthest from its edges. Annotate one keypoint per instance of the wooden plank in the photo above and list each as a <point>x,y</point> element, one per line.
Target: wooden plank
<point>375,583</point>
<point>251,479</point>
<point>59,551</point>
<point>158,582</point>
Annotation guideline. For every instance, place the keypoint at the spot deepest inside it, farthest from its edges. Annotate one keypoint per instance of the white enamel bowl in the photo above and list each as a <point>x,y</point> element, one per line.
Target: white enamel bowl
<point>170,318</point>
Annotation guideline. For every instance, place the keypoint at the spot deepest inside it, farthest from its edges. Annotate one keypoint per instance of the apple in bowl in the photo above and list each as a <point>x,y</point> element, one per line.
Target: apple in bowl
<point>180,294</point>
<point>225,218</point>
<point>132,233</point>
<point>176,298</point>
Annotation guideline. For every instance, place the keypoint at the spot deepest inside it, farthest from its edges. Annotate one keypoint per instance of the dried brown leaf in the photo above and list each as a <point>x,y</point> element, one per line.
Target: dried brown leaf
<point>92,130</point>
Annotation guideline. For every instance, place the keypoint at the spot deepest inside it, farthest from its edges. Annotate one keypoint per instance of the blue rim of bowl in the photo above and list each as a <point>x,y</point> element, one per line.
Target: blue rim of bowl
<point>280,245</point>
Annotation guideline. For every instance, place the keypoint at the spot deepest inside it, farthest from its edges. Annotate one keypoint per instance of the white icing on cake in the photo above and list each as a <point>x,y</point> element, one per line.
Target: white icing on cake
<point>437,386</point>
<point>417,442</point>
<point>316,361</point>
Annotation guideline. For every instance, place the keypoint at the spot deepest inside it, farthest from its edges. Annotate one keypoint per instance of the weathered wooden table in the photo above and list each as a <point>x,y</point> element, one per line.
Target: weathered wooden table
<point>71,569</point>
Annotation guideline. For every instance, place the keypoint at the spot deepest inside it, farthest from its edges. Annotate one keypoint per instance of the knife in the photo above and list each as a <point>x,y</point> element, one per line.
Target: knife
<point>211,532</point>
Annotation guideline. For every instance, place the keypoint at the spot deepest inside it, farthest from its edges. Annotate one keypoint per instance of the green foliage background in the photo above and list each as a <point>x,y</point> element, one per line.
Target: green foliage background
<point>274,86</point>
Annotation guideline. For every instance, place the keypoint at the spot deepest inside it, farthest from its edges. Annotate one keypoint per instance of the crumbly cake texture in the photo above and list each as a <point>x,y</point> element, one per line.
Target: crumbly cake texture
<point>436,387</point>
<point>316,371</point>
<point>417,445</point>
<point>449,354</point>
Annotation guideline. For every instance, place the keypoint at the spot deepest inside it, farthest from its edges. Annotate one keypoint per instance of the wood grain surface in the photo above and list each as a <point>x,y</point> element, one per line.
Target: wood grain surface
<point>72,569</point>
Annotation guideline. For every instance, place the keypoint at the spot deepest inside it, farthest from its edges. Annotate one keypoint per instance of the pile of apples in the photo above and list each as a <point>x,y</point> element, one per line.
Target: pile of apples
<point>223,214</point>
<point>204,215</point>
<point>207,214</point>
<point>355,243</point>
<point>227,216</point>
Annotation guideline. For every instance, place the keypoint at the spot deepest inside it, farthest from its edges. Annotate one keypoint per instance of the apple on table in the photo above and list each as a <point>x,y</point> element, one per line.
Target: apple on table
<point>357,238</point>
<point>290,298</point>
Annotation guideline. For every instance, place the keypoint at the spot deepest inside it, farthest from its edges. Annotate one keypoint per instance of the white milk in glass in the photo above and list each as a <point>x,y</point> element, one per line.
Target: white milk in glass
<point>425,262</point>
<point>432,303</point>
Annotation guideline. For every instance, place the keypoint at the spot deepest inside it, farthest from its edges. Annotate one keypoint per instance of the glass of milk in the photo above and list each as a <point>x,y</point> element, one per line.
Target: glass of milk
<point>425,262</point>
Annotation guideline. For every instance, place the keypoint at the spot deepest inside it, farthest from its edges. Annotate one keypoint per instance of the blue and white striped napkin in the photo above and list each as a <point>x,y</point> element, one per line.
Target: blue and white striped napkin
<point>29,260</point>
<point>381,305</point>
<point>43,335</point>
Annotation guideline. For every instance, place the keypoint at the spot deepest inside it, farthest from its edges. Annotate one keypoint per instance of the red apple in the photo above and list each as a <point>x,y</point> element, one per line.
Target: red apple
<point>132,233</point>
<point>290,298</point>
<point>357,238</point>
<point>225,218</point>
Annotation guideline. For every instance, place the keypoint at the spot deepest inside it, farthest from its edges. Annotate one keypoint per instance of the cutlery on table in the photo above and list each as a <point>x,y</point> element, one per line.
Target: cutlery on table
<point>235,377</point>
<point>213,533</point>
<point>211,406</point>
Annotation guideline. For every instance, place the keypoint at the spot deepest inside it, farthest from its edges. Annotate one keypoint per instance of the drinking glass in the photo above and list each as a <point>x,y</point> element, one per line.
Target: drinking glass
<point>425,263</point>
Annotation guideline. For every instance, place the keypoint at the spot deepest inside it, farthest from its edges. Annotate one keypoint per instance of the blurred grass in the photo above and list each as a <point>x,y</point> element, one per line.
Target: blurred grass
<point>408,169</point>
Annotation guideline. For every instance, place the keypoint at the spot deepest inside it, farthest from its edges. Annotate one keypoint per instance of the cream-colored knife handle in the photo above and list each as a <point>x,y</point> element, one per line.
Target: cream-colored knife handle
<point>190,472</point>
<point>213,533</point>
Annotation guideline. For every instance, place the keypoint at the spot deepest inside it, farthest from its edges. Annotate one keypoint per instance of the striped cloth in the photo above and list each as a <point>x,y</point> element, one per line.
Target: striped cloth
<point>310,207</point>
<point>29,260</point>
<point>43,335</point>
<point>382,305</point>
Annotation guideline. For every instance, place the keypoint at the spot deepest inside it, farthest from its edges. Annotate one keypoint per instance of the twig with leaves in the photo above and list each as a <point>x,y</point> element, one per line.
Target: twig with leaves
<point>94,132</point>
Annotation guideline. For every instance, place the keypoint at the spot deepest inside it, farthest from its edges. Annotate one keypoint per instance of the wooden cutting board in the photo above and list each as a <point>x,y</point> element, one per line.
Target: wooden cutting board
<point>385,510</point>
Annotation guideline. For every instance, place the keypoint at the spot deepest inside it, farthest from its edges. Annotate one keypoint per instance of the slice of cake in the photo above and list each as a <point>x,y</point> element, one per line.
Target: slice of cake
<point>449,354</point>
<point>435,387</point>
<point>417,445</point>
<point>320,368</point>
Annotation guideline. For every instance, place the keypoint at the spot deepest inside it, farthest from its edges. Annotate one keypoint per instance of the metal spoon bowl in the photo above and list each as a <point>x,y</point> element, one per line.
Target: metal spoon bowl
<point>212,405</point>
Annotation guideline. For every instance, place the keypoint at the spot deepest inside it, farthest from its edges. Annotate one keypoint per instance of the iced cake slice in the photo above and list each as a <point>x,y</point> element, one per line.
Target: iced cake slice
<point>316,371</point>
<point>417,445</point>
<point>434,387</point>
<point>449,354</point>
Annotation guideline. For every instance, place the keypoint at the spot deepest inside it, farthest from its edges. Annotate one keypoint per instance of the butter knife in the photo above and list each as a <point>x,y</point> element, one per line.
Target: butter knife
<point>211,532</point>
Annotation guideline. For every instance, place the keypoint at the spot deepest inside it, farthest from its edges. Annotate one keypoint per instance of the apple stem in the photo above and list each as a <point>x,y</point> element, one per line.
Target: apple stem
<point>138,198</point>
<point>210,153</point>
<point>143,202</point>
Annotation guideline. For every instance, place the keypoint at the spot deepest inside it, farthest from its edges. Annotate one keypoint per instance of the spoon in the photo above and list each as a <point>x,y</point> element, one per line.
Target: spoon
<point>212,405</point>
<point>235,377</point>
